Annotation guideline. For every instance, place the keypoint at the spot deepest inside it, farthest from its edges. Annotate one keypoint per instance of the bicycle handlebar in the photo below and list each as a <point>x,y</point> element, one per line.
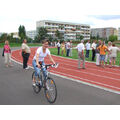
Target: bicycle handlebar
<point>49,65</point>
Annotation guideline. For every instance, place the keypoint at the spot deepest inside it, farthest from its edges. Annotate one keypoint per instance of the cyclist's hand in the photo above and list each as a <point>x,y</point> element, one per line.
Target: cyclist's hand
<point>55,65</point>
<point>38,65</point>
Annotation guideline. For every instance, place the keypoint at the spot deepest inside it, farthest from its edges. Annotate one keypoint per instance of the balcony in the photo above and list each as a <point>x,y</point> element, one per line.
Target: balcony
<point>68,27</point>
<point>77,31</point>
<point>70,34</point>
<point>51,33</point>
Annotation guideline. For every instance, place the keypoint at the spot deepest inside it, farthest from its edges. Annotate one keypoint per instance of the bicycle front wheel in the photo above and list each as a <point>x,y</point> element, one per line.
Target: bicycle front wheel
<point>50,90</point>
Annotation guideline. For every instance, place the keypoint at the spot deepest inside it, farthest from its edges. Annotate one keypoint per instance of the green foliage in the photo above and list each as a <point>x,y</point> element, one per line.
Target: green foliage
<point>61,27</point>
<point>3,37</point>
<point>113,38</point>
<point>8,37</point>
<point>59,35</point>
<point>79,37</point>
<point>42,34</point>
<point>22,32</point>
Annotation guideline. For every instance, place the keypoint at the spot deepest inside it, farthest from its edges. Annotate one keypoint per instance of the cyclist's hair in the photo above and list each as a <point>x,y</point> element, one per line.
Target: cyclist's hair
<point>45,40</point>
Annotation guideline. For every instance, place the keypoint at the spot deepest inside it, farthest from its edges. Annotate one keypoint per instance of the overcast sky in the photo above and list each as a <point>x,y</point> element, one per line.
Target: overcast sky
<point>103,13</point>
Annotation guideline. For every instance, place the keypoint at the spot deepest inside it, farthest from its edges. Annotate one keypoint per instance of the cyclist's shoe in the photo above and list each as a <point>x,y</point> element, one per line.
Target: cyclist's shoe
<point>40,83</point>
<point>33,84</point>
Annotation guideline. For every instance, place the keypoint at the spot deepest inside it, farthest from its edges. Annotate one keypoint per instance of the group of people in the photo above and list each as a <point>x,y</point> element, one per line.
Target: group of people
<point>102,52</point>
<point>66,48</point>
<point>38,58</point>
<point>25,54</point>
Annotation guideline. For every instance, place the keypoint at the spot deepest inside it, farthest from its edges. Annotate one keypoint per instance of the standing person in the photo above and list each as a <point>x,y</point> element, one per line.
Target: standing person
<point>80,48</point>
<point>87,46</point>
<point>7,54</point>
<point>63,48</point>
<point>108,54</point>
<point>25,54</point>
<point>58,47</point>
<point>93,50</point>
<point>38,59</point>
<point>71,48</point>
<point>103,50</point>
<point>68,48</point>
<point>98,53</point>
<point>113,55</point>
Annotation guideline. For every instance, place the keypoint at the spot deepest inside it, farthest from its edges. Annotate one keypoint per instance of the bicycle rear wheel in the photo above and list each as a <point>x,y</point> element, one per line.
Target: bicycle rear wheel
<point>50,90</point>
<point>37,87</point>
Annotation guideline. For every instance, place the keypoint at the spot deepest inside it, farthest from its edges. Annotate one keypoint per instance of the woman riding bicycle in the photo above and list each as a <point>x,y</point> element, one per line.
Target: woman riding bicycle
<point>38,59</point>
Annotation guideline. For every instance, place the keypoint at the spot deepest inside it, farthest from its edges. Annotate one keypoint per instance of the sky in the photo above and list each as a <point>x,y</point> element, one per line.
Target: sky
<point>13,13</point>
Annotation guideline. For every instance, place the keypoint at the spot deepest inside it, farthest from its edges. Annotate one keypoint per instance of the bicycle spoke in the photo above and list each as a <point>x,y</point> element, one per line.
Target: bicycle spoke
<point>50,91</point>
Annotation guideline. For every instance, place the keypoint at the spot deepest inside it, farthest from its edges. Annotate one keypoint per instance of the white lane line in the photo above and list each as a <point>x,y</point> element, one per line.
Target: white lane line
<point>92,74</point>
<point>79,78</point>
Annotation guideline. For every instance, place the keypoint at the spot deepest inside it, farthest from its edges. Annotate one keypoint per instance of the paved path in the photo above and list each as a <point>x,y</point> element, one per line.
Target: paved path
<point>16,89</point>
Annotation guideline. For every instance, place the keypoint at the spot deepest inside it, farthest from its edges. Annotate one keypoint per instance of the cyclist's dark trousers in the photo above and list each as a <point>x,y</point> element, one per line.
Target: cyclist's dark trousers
<point>25,59</point>
<point>93,55</point>
<point>87,54</point>
<point>58,50</point>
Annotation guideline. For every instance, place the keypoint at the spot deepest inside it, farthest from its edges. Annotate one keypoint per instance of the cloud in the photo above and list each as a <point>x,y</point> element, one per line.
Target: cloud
<point>106,17</point>
<point>27,12</point>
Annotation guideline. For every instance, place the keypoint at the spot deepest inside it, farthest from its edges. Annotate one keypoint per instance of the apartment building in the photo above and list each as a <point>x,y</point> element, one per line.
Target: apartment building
<point>69,30</point>
<point>103,32</point>
<point>31,34</point>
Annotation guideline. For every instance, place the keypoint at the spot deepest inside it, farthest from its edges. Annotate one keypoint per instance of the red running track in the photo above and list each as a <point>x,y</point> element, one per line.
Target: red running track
<point>106,78</point>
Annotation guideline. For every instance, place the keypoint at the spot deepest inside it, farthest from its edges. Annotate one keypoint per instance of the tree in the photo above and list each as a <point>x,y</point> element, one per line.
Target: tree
<point>3,37</point>
<point>59,35</point>
<point>22,32</point>
<point>79,37</point>
<point>113,38</point>
<point>41,35</point>
<point>61,27</point>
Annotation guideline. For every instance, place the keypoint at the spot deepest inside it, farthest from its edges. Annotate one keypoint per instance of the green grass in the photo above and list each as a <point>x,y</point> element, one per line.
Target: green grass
<point>54,51</point>
<point>19,44</point>
<point>75,55</point>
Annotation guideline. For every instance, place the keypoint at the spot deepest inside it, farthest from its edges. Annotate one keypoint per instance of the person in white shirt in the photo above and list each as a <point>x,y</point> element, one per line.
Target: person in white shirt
<point>107,57</point>
<point>80,48</point>
<point>25,54</point>
<point>87,47</point>
<point>58,47</point>
<point>68,48</point>
<point>93,50</point>
<point>98,53</point>
<point>38,59</point>
<point>113,51</point>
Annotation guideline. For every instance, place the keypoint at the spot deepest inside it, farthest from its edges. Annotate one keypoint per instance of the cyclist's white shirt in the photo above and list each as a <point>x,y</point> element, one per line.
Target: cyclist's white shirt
<point>41,54</point>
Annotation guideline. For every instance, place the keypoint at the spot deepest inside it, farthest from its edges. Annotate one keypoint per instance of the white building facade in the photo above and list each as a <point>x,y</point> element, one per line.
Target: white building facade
<point>31,34</point>
<point>69,30</point>
<point>103,32</point>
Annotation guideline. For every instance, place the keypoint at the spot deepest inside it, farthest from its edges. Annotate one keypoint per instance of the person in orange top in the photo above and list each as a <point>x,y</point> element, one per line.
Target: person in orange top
<point>102,48</point>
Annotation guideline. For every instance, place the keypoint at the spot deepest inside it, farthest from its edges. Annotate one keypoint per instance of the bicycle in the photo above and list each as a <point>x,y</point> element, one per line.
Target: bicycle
<point>47,83</point>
